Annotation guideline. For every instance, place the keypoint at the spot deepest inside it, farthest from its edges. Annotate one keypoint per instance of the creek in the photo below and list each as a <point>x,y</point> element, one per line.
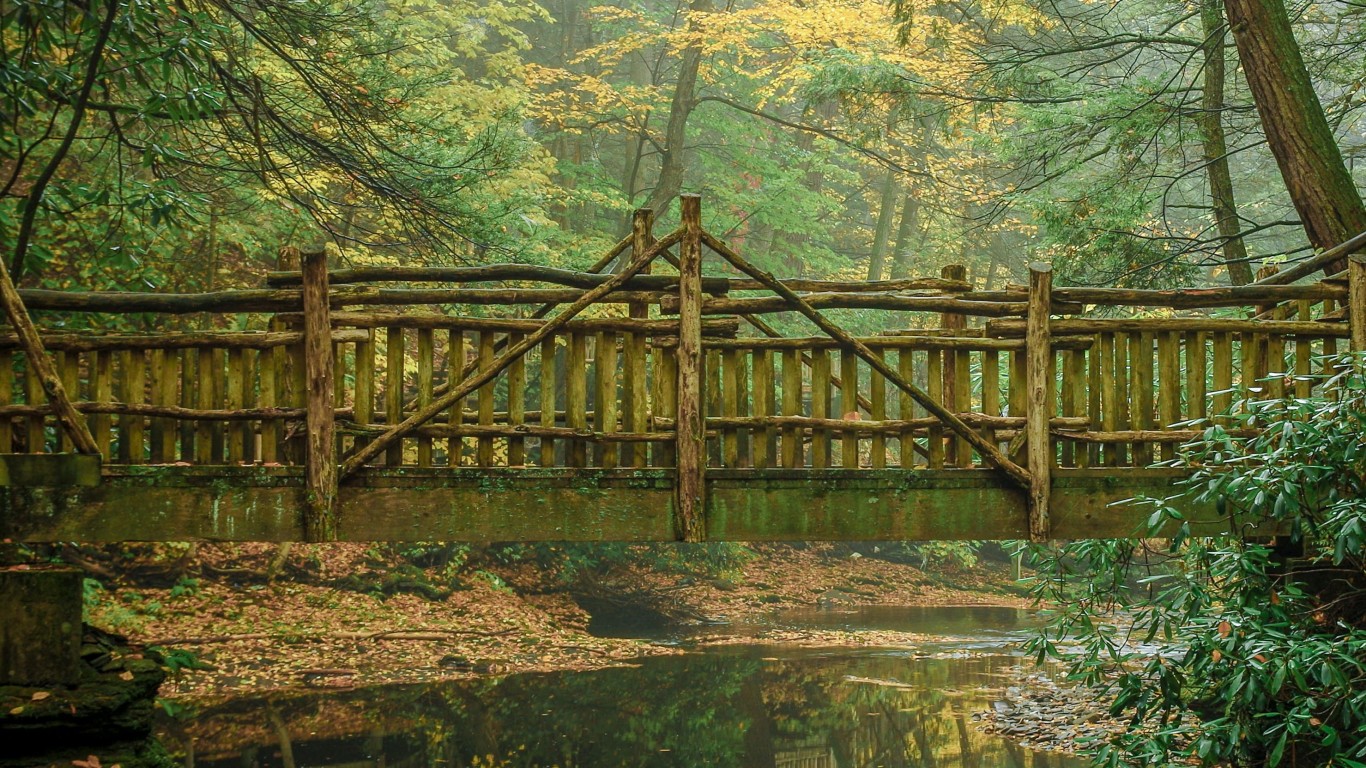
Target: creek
<point>775,706</point>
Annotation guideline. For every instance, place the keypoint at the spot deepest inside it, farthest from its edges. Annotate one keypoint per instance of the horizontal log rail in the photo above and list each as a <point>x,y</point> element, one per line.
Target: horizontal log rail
<point>590,279</point>
<point>886,301</point>
<point>73,342</point>
<point>711,327</point>
<point>1009,328</point>
<point>923,342</point>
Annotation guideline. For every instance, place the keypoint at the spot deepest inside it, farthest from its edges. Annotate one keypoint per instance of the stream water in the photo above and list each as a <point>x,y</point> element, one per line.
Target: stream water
<point>770,706</point>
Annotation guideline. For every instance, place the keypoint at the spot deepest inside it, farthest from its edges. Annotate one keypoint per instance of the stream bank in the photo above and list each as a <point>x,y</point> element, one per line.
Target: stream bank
<point>303,630</point>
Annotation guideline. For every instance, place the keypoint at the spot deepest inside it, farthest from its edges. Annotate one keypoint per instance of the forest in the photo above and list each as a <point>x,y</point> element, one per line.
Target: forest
<point>177,146</point>
<point>193,146</point>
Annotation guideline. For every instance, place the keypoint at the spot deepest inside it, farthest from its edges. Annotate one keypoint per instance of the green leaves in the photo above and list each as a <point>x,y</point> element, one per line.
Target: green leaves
<point>1251,662</point>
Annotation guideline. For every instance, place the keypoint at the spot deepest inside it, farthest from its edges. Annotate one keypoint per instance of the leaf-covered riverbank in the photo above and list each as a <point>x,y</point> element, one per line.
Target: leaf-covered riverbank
<point>340,615</point>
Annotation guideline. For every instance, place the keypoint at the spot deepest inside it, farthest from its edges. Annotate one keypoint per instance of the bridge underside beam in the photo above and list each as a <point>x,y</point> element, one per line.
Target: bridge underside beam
<point>175,503</point>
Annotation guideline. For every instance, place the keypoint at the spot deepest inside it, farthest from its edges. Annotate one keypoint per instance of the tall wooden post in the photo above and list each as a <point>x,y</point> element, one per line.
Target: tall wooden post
<point>320,472</point>
<point>1038,382</point>
<point>689,424</point>
<point>635,409</point>
<point>956,386</point>
<point>1356,300</point>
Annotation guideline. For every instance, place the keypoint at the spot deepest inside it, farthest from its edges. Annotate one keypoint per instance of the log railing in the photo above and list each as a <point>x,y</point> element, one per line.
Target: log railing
<point>602,390</point>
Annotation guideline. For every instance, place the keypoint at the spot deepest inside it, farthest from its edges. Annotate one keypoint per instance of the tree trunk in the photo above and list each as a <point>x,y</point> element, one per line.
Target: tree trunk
<point>882,232</point>
<point>910,224</point>
<point>1320,185</point>
<point>1216,147</point>
<point>671,166</point>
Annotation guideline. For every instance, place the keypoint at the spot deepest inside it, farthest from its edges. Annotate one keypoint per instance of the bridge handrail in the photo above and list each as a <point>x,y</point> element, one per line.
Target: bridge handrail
<point>606,392</point>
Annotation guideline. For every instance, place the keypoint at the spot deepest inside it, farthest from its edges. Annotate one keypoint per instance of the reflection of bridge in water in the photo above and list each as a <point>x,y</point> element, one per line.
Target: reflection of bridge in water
<point>639,411</point>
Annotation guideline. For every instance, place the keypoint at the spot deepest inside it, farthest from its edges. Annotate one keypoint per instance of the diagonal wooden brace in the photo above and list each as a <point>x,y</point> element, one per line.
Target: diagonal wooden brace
<point>990,452</point>
<point>478,379</point>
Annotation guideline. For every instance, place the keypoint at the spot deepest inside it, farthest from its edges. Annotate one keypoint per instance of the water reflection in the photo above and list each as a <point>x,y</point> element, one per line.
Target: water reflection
<point>733,708</point>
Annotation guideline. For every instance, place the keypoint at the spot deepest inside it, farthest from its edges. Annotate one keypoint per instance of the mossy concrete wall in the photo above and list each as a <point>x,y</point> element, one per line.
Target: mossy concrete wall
<point>177,503</point>
<point>40,626</point>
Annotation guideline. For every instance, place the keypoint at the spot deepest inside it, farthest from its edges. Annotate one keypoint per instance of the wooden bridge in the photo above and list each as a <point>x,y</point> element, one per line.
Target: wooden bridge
<point>644,399</point>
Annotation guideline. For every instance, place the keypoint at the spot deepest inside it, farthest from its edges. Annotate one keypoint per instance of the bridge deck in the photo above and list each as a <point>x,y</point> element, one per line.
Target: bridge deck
<point>171,503</point>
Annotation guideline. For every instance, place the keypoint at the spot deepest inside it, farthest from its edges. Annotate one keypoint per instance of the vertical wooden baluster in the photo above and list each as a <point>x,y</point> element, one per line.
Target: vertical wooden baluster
<point>486,392</point>
<point>1123,373</point>
<point>426,359</point>
<point>1093,398</point>
<point>991,389</point>
<point>67,366</point>
<point>906,408</point>
<point>35,437</point>
<point>165,383</point>
<point>269,398</point>
<point>820,407</point>
<point>730,407</point>
<point>279,374</point>
<point>935,375</point>
<point>1109,395</point>
<point>1275,364</point>
<point>1330,345</point>
<point>1017,397</point>
<point>1052,400</point>
<point>1223,375</point>
<point>393,390</point>
<point>1169,387</point>
<point>1247,347</point>
<point>792,406</point>
<point>456,359</point>
<point>1076,360</point>
<point>251,450</point>
<point>1303,355</point>
<point>516,403</point>
<point>189,359</point>
<point>235,451</point>
<point>6,398</point>
<point>219,429</point>
<point>1141,361</point>
<point>635,400</point>
<point>666,402</point>
<point>711,402</point>
<point>101,391</point>
<point>364,408</point>
<point>849,407</point>
<point>764,402</point>
<point>962,362</point>
<point>606,411</point>
<point>1133,408</point>
<point>745,436</point>
<point>1071,383</point>
<point>205,383</point>
<point>548,399</point>
<point>576,397</point>
<point>1197,370</point>
<point>877,411</point>
<point>339,369</point>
